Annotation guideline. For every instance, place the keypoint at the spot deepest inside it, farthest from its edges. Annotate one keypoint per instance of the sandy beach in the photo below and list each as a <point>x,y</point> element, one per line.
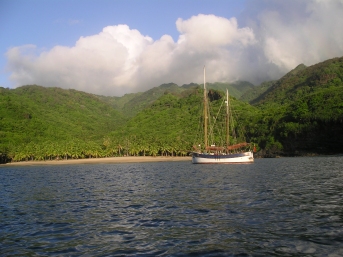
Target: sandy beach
<point>130,159</point>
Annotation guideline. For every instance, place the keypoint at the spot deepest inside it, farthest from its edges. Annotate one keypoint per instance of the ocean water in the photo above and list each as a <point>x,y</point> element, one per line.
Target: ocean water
<point>273,207</point>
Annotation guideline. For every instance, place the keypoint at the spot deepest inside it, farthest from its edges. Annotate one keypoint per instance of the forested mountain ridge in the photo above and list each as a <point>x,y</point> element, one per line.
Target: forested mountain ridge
<point>38,115</point>
<point>131,104</point>
<point>304,110</point>
<point>303,81</point>
<point>172,124</point>
<point>236,89</point>
<point>141,101</point>
<point>301,113</point>
<point>255,94</point>
<point>39,123</point>
<point>118,102</point>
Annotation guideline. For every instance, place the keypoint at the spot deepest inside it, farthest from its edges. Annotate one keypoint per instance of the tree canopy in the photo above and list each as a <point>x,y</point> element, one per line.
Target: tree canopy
<point>301,113</point>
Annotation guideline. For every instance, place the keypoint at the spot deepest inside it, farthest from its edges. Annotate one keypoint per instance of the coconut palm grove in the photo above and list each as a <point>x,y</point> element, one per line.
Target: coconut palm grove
<point>299,114</point>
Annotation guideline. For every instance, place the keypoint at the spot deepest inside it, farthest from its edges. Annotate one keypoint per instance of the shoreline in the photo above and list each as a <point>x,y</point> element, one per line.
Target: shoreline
<point>127,159</point>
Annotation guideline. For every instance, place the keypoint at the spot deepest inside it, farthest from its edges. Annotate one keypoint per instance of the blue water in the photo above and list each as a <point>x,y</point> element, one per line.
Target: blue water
<point>273,207</point>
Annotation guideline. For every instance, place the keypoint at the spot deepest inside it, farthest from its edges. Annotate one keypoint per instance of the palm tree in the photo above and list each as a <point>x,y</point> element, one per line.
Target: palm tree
<point>144,148</point>
<point>134,150</point>
<point>120,148</point>
<point>163,148</point>
<point>106,142</point>
<point>88,152</point>
<point>153,150</point>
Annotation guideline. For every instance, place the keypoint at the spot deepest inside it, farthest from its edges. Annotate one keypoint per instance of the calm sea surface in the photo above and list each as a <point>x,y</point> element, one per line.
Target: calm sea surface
<point>274,207</point>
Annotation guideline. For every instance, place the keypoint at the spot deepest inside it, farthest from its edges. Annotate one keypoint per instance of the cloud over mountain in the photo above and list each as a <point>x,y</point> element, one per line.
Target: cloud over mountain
<point>269,39</point>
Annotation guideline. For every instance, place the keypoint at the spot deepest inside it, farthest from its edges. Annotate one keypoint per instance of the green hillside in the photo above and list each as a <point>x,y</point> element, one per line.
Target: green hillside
<point>301,113</point>
<point>171,125</point>
<point>236,89</point>
<point>117,102</point>
<point>131,104</point>
<point>255,92</point>
<point>35,116</point>
<point>303,81</point>
<point>304,110</point>
<point>141,101</point>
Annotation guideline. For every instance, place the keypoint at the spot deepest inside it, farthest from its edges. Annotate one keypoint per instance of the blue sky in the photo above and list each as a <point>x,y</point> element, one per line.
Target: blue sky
<point>51,22</point>
<point>123,46</point>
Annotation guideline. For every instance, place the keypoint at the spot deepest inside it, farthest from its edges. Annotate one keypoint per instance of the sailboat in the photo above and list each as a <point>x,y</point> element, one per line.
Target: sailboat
<point>211,154</point>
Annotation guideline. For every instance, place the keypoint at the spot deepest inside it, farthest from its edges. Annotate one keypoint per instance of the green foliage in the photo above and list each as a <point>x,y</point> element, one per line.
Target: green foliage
<point>118,102</point>
<point>132,104</point>
<point>303,81</point>
<point>172,124</point>
<point>236,89</point>
<point>308,102</point>
<point>38,115</point>
<point>300,113</point>
<point>252,94</point>
<point>166,127</point>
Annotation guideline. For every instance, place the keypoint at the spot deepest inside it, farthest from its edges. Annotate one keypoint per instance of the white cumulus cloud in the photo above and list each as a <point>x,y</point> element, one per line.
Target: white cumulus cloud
<point>294,32</point>
<point>269,39</point>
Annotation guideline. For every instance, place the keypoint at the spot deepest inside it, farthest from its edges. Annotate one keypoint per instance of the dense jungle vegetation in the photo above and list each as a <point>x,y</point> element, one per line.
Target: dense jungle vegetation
<point>301,113</point>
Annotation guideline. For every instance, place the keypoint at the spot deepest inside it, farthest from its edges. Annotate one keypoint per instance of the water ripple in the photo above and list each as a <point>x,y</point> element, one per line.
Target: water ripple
<point>274,207</point>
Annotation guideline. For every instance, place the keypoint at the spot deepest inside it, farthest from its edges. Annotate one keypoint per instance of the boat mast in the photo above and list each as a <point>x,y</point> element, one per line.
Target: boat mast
<point>227,120</point>
<point>205,112</point>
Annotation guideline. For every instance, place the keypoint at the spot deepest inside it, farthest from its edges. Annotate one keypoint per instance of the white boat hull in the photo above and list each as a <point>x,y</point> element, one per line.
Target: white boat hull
<point>205,158</point>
